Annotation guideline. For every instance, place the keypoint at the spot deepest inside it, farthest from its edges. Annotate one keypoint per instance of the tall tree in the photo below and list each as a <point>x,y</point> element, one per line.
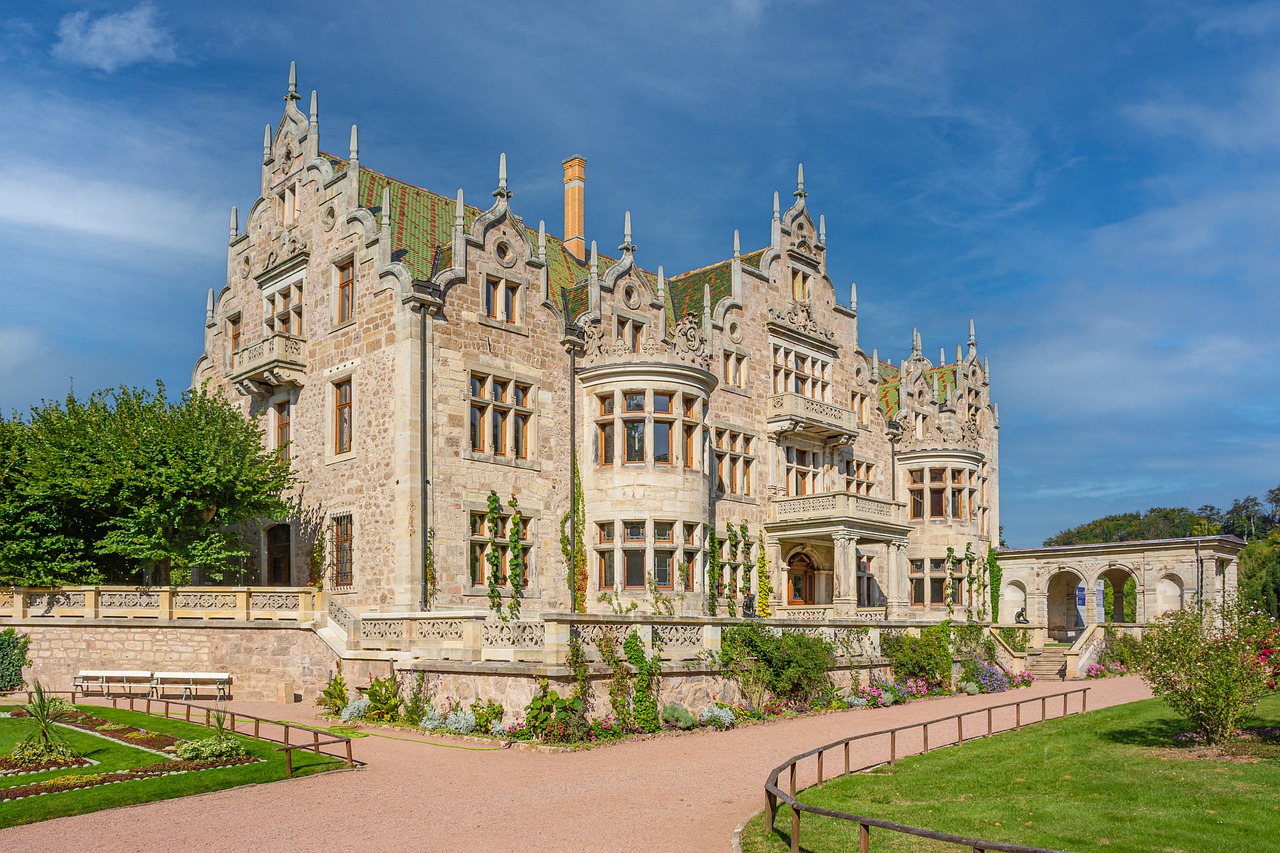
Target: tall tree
<point>129,485</point>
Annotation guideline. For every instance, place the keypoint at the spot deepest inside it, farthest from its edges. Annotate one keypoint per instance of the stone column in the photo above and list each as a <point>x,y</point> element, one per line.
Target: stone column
<point>1117,600</point>
<point>779,572</point>
<point>897,584</point>
<point>845,591</point>
<point>1090,604</point>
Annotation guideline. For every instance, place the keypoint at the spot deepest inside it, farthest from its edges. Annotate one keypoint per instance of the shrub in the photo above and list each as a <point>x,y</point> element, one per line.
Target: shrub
<point>384,699</point>
<point>716,718</point>
<point>1121,650</point>
<point>13,657</point>
<point>211,749</point>
<point>554,719</point>
<point>355,710</point>
<point>856,701</point>
<point>497,729</point>
<point>487,714</point>
<point>1211,669</point>
<point>991,678</point>
<point>334,698</point>
<point>461,722</point>
<point>46,741</point>
<point>927,656</point>
<point>33,753</point>
<point>678,716</point>
<point>432,720</point>
<point>970,687</point>
<point>644,702</point>
<point>419,697</point>
<point>793,666</point>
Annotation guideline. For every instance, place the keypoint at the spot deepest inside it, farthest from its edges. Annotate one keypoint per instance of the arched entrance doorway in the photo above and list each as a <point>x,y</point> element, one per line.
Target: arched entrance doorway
<point>1117,596</point>
<point>1065,601</point>
<point>279,555</point>
<point>801,587</point>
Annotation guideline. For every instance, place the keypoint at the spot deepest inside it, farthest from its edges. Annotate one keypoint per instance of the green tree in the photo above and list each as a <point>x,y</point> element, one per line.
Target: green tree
<point>1260,573</point>
<point>129,485</point>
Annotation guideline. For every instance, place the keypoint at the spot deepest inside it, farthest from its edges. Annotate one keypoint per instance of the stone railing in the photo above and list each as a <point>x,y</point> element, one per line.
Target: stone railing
<point>813,416</point>
<point>275,360</point>
<point>1005,656</point>
<point>293,604</point>
<point>836,505</point>
<point>1086,650</point>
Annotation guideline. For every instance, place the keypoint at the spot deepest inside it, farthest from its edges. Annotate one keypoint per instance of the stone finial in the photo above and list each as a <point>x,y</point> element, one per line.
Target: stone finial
<point>737,244</point>
<point>915,342</point>
<point>995,410</point>
<point>853,295</point>
<point>662,283</point>
<point>775,227</point>
<point>235,223</point>
<point>935,387</point>
<point>542,240</point>
<point>266,143</point>
<point>627,245</point>
<point>973,340</point>
<point>315,109</point>
<point>942,356</point>
<point>800,193</point>
<point>502,192</point>
<point>292,94</point>
<point>777,210</point>
<point>986,369</point>
<point>822,228</point>
<point>457,210</point>
<point>875,365</point>
<point>355,144</point>
<point>594,265</point>
<point>208,309</point>
<point>959,358</point>
<point>386,208</point>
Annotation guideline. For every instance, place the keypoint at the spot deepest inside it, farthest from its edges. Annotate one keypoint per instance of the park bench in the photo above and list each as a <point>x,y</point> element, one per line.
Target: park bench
<point>104,679</point>
<point>190,682</point>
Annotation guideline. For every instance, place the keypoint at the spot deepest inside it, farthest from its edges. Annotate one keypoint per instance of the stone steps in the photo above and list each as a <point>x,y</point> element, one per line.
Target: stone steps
<point>1050,664</point>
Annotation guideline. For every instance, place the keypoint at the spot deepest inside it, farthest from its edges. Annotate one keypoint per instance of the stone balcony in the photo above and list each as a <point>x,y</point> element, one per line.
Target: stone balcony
<point>794,413</point>
<point>837,505</point>
<point>275,361</point>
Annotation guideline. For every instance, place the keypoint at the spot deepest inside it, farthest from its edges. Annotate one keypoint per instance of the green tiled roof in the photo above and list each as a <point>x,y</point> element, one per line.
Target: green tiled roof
<point>687,288</point>
<point>890,380</point>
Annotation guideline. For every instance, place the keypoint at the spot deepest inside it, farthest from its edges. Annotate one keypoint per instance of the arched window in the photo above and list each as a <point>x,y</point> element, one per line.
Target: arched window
<point>800,580</point>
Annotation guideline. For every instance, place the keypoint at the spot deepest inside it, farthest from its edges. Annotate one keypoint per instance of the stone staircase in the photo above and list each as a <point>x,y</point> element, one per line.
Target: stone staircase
<point>1050,664</point>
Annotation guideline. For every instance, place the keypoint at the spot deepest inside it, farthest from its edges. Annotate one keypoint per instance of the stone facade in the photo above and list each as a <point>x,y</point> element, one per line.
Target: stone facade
<point>733,396</point>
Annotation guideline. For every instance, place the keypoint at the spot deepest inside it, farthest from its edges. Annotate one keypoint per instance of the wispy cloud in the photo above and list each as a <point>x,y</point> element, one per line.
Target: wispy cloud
<point>1247,122</point>
<point>111,42</point>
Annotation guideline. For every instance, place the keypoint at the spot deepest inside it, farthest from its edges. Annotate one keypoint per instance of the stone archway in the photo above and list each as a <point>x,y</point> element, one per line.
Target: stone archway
<point>1124,599</point>
<point>1013,597</point>
<point>1170,594</point>
<point>1065,616</point>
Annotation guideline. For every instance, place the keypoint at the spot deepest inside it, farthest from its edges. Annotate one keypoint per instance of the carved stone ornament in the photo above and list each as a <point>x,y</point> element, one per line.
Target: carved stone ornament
<point>690,342</point>
<point>594,340</point>
<point>649,346</point>
<point>799,316</point>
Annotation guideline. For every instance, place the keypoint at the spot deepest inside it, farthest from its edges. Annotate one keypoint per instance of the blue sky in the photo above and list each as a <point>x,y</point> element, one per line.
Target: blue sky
<point>1096,184</point>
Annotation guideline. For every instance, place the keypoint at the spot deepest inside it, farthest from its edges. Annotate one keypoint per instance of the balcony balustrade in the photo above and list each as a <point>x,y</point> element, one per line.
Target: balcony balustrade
<point>275,361</point>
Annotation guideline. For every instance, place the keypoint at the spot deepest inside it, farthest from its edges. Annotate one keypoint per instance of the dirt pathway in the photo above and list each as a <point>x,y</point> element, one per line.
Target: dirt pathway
<point>670,792</point>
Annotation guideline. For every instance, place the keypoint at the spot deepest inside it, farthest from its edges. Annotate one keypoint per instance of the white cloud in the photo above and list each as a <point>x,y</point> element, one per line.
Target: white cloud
<point>1249,122</point>
<point>113,41</point>
<point>19,347</point>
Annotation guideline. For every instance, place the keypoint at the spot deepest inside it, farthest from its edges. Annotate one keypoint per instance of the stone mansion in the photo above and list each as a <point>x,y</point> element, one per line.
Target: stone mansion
<point>413,355</point>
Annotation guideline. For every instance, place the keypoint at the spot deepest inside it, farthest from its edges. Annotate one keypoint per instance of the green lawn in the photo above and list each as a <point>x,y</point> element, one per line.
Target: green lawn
<point>113,755</point>
<point>1108,780</point>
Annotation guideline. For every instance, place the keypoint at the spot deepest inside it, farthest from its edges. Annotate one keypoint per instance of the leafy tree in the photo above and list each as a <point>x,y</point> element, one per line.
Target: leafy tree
<point>129,485</point>
<point>1260,573</point>
<point>1245,517</point>
<point>1155,523</point>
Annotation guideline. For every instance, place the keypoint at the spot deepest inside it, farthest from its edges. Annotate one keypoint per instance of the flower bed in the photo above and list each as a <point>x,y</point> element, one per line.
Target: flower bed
<point>72,782</point>
<point>9,767</point>
<point>128,735</point>
<point>1105,670</point>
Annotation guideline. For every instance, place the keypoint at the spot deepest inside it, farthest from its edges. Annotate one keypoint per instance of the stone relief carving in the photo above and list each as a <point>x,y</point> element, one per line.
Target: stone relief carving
<point>594,338</point>
<point>678,636</point>
<point>439,630</point>
<point>799,316</point>
<point>690,342</point>
<point>130,599</point>
<point>513,634</point>
<point>50,600</point>
<point>204,600</point>
<point>273,601</point>
<point>381,629</point>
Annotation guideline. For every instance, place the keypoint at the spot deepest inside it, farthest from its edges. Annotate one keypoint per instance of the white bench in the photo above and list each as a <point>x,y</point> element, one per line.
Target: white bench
<point>190,682</point>
<point>125,679</point>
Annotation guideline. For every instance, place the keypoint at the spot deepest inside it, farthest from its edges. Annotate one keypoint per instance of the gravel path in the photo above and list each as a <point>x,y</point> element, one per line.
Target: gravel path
<point>669,792</point>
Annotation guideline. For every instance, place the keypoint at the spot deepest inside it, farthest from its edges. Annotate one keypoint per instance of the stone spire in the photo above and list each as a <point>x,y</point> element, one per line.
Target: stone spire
<point>935,388</point>
<point>594,264</point>
<point>314,119</point>
<point>822,228</point>
<point>386,208</point>
<point>542,240</point>
<point>662,285</point>
<point>355,145</point>
<point>942,356</point>
<point>292,94</point>
<point>266,143</point>
<point>853,295</point>
<point>775,227</point>
<point>875,366</point>
<point>627,245</point>
<point>800,193</point>
<point>457,210</point>
<point>208,310</point>
<point>235,223</point>
<point>973,340</point>
<point>986,369</point>
<point>915,342</point>
<point>959,358</point>
<point>502,192</point>
<point>737,245</point>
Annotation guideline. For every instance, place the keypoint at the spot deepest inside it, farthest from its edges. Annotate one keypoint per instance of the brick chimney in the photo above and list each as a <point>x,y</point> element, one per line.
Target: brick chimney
<point>575,187</point>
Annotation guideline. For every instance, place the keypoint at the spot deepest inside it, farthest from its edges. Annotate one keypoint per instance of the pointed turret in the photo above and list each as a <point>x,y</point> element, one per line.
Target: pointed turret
<point>875,366</point>
<point>314,115</point>
<point>386,209</point>
<point>800,193</point>
<point>627,245</point>
<point>457,210</point>
<point>292,94</point>
<point>502,192</point>
<point>822,229</point>
<point>235,223</point>
<point>542,240</point>
<point>208,310</point>
<point>266,144</point>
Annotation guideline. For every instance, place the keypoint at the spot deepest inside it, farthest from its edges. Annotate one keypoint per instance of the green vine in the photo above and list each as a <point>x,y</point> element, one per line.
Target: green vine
<point>13,657</point>
<point>429,562</point>
<point>515,559</point>
<point>996,574</point>
<point>575,559</point>
<point>713,571</point>
<point>316,578</point>
<point>620,682</point>
<point>948,584</point>
<point>577,662</point>
<point>493,556</point>
<point>644,700</point>
<point>661,605</point>
<point>764,581</point>
<point>731,588</point>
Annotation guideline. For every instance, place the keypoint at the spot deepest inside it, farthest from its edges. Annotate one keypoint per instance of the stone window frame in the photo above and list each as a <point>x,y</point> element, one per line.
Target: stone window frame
<point>958,496</point>
<point>278,310</point>
<point>289,204</point>
<point>858,475</point>
<point>791,467</point>
<point>275,404</point>
<point>235,333</point>
<point>343,556</point>
<point>801,280</point>
<point>735,448</point>
<point>503,280</point>
<point>786,372</point>
<point>733,369</point>
<point>860,403</point>
<point>682,545</point>
<point>613,417</point>
<point>337,320</point>
<point>630,327</point>
<point>478,544</point>
<point>512,413</point>
<point>335,377</point>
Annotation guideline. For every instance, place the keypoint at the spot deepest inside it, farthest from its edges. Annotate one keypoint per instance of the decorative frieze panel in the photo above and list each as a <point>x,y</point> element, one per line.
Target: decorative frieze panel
<point>274,601</point>
<point>340,615</point>
<point>130,600</point>
<point>509,635</point>
<point>438,630</point>
<point>677,636</point>
<point>204,600</point>
<point>594,635</point>
<point>48,601</point>
<point>798,317</point>
<point>6,598</point>
<point>381,629</point>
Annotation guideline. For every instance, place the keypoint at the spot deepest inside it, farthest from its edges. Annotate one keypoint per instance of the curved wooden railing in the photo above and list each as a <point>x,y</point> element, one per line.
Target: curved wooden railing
<point>774,794</point>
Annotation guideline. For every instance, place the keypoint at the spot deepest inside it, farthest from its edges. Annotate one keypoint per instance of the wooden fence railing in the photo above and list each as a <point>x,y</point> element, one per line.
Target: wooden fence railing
<point>205,716</point>
<point>774,794</point>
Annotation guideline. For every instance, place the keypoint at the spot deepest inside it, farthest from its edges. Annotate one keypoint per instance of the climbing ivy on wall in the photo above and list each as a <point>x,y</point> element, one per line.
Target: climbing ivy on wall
<point>493,555</point>
<point>429,567</point>
<point>714,570</point>
<point>995,573</point>
<point>515,559</point>
<point>731,588</point>
<point>13,657</point>
<point>764,581</point>
<point>575,558</point>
